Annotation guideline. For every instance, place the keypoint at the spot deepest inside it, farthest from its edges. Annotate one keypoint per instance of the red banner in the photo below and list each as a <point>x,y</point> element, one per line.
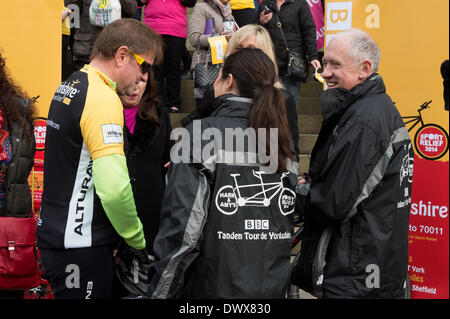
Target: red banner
<point>428,230</point>
<point>317,13</point>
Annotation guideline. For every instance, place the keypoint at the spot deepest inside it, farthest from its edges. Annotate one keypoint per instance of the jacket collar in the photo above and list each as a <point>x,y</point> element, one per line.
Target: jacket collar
<point>336,101</point>
<point>230,105</point>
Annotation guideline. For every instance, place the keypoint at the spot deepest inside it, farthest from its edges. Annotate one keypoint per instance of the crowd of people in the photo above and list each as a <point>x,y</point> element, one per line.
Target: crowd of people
<point>128,217</point>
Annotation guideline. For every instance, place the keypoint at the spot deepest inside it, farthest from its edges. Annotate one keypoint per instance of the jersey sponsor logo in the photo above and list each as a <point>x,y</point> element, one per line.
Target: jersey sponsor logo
<point>112,133</point>
<point>81,206</point>
<point>81,198</point>
<point>66,92</point>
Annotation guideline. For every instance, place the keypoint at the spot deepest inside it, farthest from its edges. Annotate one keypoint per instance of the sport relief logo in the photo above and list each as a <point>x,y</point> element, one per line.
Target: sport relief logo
<point>430,139</point>
<point>229,198</point>
<point>432,142</point>
<point>40,129</point>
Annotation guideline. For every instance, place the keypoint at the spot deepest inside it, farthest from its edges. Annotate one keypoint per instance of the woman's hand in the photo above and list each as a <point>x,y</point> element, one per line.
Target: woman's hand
<point>227,35</point>
<point>265,17</point>
<point>316,64</point>
<point>65,14</point>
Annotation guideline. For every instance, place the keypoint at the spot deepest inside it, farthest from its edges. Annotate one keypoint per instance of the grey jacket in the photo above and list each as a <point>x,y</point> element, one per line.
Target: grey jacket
<point>196,27</point>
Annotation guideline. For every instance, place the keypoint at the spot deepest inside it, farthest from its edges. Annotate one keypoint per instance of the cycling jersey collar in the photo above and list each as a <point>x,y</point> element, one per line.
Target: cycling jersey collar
<point>103,76</point>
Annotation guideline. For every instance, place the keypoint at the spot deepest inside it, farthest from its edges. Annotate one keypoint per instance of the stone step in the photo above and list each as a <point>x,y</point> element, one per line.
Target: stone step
<point>303,164</point>
<point>306,143</point>
<point>309,124</point>
<point>175,119</point>
<point>310,89</point>
<point>309,105</point>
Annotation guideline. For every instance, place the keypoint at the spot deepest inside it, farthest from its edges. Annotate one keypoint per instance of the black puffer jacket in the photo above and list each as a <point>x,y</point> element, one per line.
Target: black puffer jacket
<point>298,27</point>
<point>226,225</point>
<point>18,195</point>
<point>357,213</point>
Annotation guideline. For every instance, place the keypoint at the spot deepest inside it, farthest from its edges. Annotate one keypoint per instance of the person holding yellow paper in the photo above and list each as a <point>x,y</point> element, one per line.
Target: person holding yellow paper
<point>206,22</point>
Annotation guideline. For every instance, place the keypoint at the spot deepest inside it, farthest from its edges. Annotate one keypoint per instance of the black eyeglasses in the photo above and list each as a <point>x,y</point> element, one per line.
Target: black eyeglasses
<point>144,65</point>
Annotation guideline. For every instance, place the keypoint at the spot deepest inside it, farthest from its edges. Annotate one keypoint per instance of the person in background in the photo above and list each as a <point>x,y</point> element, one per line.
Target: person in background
<point>66,65</point>
<point>168,18</point>
<point>84,37</point>
<point>445,73</point>
<point>250,36</point>
<point>196,255</point>
<point>87,209</point>
<point>147,149</point>
<point>206,21</point>
<point>243,11</point>
<point>17,148</point>
<point>300,32</point>
<point>356,213</point>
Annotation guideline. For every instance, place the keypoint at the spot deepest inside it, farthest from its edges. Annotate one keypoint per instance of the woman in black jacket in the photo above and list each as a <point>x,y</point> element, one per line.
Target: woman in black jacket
<point>299,30</point>
<point>226,222</point>
<point>147,149</point>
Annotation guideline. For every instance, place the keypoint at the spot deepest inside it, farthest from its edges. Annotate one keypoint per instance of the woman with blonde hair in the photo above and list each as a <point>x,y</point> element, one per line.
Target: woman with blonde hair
<point>252,36</point>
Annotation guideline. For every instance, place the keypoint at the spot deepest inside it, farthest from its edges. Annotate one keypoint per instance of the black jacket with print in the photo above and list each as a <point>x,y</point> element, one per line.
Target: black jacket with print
<point>226,224</point>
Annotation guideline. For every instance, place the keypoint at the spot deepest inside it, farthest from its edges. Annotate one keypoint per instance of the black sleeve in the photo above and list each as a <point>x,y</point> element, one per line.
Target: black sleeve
<point>292,117</point>
<point>188,3</point>
<point>204,108</point>
<point>168,143</point>
<point>129,7</point>
<point>351,160</point>
<point>308,30</point>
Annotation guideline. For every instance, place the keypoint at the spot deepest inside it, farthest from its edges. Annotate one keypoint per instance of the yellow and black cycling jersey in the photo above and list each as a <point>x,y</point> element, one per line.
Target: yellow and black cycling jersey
<point>84,130</point>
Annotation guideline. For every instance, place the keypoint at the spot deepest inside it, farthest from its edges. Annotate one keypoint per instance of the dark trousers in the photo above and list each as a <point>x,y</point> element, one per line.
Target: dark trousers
<point>66,58</point>
<point>244,16</point>
<point>79,273</point>
<point>168,74</point>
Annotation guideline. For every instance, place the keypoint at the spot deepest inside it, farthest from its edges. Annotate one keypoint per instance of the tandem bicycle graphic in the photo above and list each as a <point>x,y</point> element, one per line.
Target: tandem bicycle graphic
<point>430,140</point>
<point>229,198</point>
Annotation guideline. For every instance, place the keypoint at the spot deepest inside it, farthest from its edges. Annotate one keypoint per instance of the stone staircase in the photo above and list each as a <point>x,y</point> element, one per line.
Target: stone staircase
<point>309,115</point>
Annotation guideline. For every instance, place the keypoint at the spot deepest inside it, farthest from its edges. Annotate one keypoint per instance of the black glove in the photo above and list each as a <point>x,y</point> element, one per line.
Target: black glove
<point>141,255</point>
<point>127,253</point>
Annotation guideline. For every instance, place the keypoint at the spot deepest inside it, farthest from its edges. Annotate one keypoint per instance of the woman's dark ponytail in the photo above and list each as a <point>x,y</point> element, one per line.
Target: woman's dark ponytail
<point>255,77</point>
<point>269,111</point>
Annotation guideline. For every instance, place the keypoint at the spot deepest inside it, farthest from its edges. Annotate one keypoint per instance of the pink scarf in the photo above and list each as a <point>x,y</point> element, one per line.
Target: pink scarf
<point>130,117</point>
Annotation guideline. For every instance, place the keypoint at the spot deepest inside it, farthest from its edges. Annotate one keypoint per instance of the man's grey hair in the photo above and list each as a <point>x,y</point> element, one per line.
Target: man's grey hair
<point>362,46</point>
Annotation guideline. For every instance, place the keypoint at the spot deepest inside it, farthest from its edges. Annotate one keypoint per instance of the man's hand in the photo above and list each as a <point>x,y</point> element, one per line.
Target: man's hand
<point>127,253</point>
<point>265,17</point>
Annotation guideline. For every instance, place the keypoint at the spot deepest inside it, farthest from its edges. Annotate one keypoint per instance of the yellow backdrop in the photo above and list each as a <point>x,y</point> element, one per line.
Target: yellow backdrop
<point>413,36</point>
<point>30,39</point>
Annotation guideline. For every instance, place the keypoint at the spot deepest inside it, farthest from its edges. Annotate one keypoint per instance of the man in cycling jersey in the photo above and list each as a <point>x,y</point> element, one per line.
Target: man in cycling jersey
<point>87,203</point>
